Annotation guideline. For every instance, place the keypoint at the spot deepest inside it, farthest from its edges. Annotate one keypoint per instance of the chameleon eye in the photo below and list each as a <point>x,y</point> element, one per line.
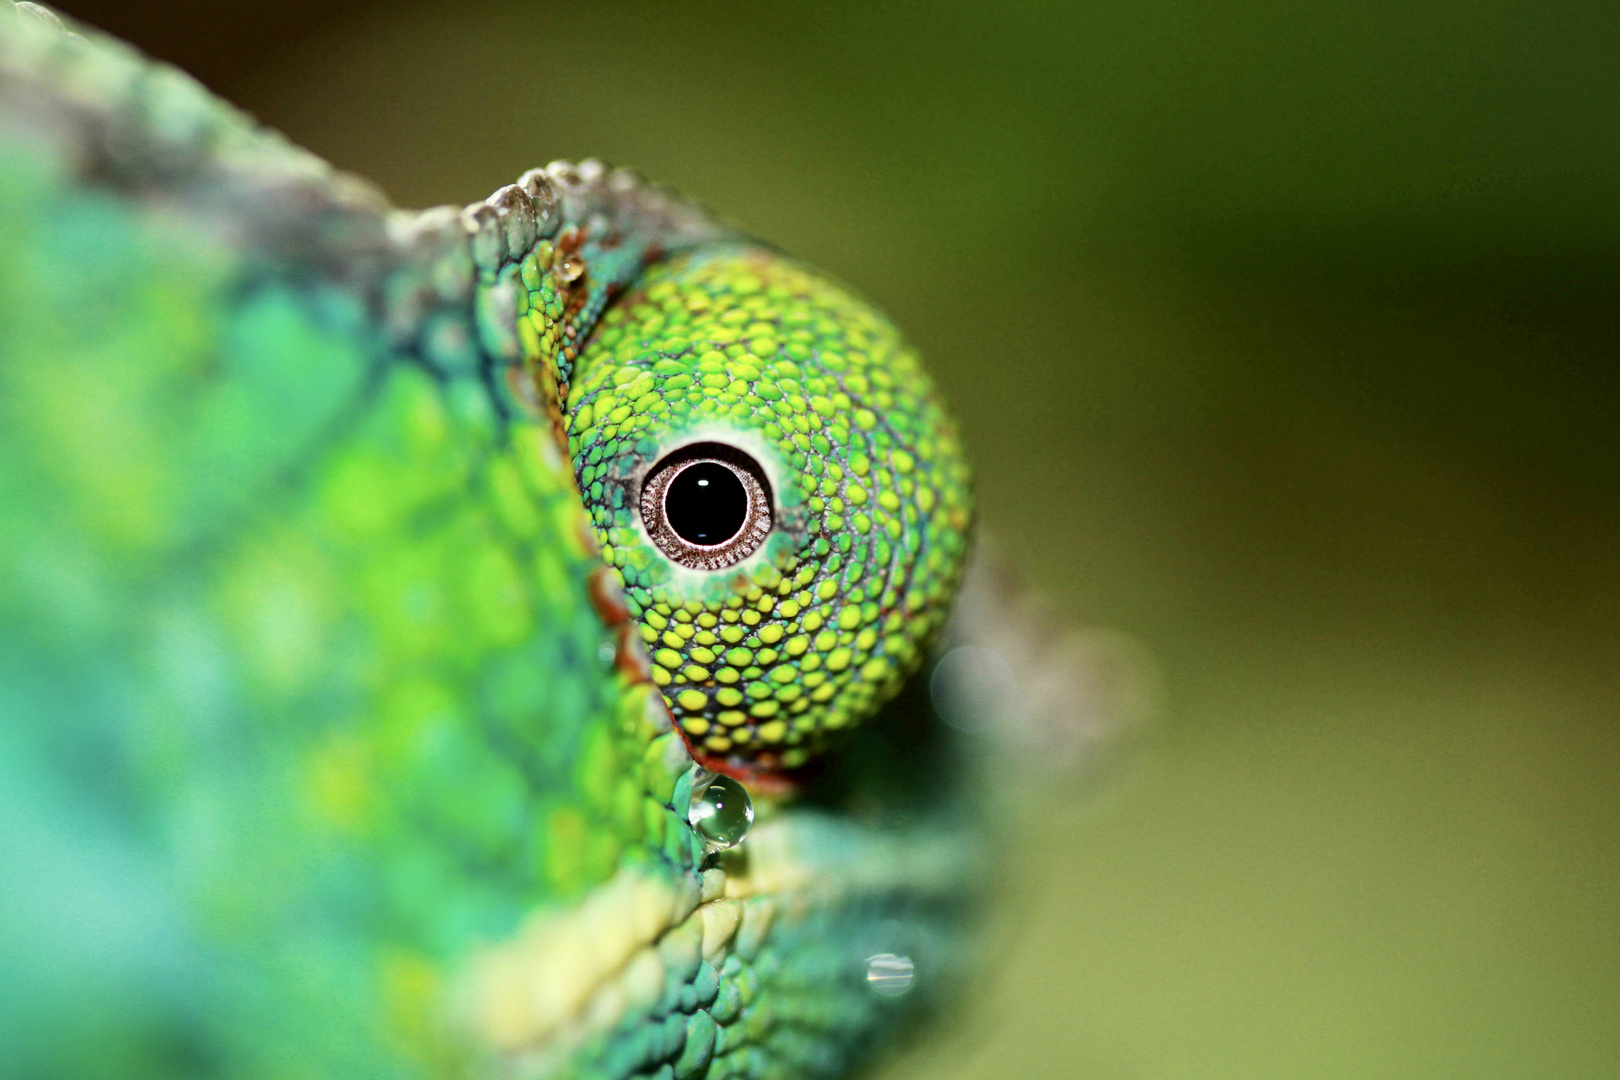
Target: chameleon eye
<point>779,488</point>
<point>707,506</point>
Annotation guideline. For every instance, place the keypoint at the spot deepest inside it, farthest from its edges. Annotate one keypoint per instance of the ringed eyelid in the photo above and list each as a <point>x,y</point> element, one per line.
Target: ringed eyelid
<point>750,535</point>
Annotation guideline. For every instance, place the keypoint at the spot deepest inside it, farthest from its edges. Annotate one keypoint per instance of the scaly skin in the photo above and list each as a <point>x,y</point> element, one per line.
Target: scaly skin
<point>331,745</point>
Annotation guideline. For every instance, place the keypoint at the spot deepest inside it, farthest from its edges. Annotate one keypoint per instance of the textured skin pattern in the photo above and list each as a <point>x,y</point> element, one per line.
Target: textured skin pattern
<point>762,662</point>
<point>330,747</point>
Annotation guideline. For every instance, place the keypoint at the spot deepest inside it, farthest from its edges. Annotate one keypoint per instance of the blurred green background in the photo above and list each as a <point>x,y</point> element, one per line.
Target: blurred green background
<point>1284,338</point>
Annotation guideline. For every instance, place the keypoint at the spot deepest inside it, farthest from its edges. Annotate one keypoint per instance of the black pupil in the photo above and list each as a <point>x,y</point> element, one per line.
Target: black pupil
<point>706,504</point>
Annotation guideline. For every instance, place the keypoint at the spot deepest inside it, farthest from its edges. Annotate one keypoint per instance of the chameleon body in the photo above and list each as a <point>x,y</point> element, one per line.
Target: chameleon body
<point>347,715</point>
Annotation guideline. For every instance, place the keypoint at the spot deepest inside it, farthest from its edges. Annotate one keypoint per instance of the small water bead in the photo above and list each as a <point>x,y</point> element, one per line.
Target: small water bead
<point>890,975</point>
<point>571,269</point>
<point>722,813</point>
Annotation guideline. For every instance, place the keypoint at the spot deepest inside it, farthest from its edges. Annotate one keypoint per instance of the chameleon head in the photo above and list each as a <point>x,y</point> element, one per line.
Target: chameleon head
<point>780,488</point>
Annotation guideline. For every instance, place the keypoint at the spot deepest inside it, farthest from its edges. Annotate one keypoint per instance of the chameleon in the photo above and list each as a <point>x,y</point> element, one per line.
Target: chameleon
<point>477,642</point>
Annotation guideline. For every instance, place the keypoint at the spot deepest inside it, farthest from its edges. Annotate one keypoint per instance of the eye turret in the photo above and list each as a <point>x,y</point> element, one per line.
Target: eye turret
<point>776,482</point>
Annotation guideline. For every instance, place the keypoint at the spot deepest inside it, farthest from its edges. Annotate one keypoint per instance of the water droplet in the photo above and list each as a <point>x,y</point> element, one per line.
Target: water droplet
<point>890,975</point>
<point>571,269</point>
<point>722,813</point>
